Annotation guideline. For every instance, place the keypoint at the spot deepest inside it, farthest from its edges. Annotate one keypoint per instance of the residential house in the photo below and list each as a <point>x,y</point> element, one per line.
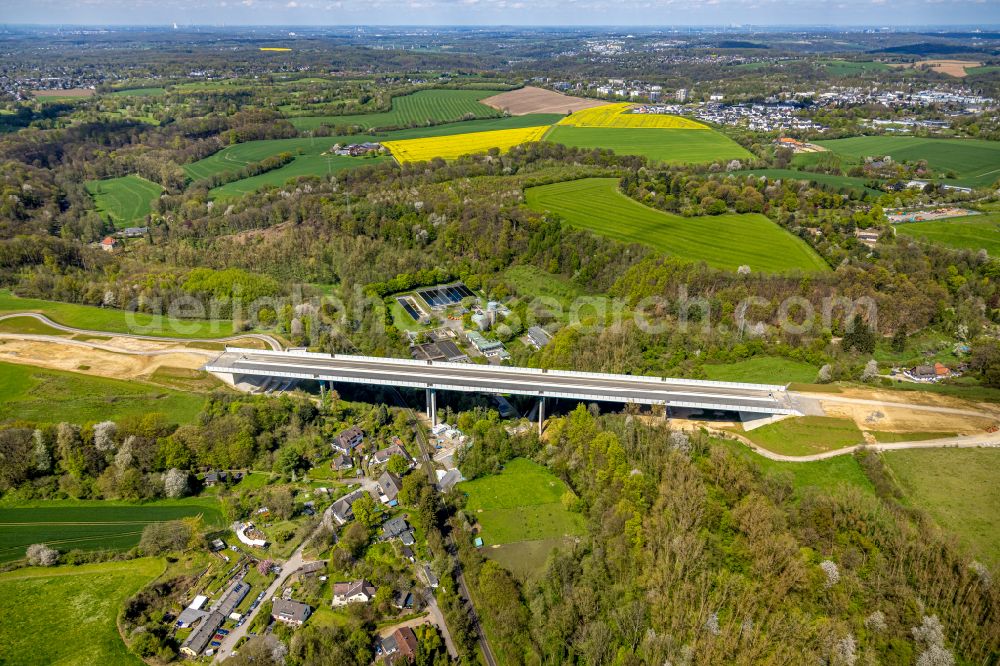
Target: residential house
<point>199,639</point>
<point>407,553</point>
<point>449,479</point>
<point>342,462</point>
<point>213,477</point>
<point>923,373</point>
<point>134,232</point>
<point>310,568</point>
<point>356,592</point>
<point>382,456</point>
<point>109,244</point>
<point>341,509</point>
<point>189,616</point>
<point>432,580</point>
<point>389,486</point>
<point>348,440</point>
<point>538,337</point>
<point>394,527</point>
<point>226,606</point>
<point>402,642</point>
<point>403,600</point>
<point>290,611</point>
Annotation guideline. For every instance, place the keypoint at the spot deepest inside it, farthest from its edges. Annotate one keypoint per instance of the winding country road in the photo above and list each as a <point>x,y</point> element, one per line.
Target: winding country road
<point>266,339</point>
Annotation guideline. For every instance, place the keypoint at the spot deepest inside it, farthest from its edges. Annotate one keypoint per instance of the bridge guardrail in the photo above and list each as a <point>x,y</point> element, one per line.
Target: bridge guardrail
<point>499,369</point>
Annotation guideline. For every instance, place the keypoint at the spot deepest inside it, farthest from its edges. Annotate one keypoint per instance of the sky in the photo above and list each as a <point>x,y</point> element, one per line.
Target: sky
<point>503,12</point>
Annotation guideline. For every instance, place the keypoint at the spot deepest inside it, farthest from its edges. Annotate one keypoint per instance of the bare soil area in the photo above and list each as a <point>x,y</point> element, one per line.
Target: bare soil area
<point>99,362</point>
<point>69,92</point>
<point>954,68</point>
<point>538,100</point>
<point>902,420</point>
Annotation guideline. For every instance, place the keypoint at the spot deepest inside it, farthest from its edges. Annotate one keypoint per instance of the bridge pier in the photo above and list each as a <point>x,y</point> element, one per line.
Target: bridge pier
<point>432,405</point>
<point>541,414</point>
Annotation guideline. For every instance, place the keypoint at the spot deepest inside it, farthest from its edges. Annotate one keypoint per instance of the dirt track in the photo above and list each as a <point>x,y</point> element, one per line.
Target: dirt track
<point>538,100</point>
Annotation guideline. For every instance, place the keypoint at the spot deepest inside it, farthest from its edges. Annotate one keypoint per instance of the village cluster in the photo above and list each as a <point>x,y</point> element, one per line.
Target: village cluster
<point>222,608</point>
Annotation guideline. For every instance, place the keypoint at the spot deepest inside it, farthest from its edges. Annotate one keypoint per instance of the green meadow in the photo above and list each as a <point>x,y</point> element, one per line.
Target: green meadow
<point>806,435</point>
<point>975,162</point>
<point>424,106</point>
<point>762,370</point>
<point>723,241</point>
<point>29,393</point>
<point>974,232</point>
<point>837,182</point>
<point>824,475</point>
<point>116,321</point>
<point>91,525</point>
<point>310,160</point>
<point>139,92</point>
<point>124,200</point>
<point>522,503</point>
<point>674,146</point>
<point>958,488</point>
<point>68,615</point>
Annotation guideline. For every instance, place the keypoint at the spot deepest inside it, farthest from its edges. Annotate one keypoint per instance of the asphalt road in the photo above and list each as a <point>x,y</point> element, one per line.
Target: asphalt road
<point>502,379</point>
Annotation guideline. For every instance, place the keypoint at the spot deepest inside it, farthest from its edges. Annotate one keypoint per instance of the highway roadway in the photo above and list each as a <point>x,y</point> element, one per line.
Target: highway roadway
<point>729,396</point>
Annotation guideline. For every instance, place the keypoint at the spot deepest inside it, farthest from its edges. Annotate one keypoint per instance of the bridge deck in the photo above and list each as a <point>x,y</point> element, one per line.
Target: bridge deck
<point>758,398</point>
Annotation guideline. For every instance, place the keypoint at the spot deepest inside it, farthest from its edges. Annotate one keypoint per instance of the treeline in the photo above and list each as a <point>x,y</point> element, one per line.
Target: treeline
<point>694,555</point>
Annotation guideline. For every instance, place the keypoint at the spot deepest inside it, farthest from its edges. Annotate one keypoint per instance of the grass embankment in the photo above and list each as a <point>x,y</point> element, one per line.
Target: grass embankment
<point>762,370</point>
<point>673,146</point>
<point>959,489</point>
<point>806,435</point>
<point>67,615</point>
<point>723,241</point>
<point>124,201</point>
<point>828,475</point>
<point>116,321</point>
<point>49,396</point>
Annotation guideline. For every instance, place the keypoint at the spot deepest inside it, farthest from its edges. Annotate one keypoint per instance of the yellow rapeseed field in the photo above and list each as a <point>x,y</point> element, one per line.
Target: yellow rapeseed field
<point>617,115</point>
<point>456,145</point>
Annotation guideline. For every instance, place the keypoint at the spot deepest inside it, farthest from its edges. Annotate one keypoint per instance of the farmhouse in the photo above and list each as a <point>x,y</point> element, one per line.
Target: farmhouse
<point>290,612</point>
<point>109,244</point>
<point>199,639</point>
<point>360,592</point>
<point>348,440</point>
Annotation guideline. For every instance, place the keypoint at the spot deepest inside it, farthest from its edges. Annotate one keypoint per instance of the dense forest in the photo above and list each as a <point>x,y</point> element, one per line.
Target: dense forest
<point>694,556</point>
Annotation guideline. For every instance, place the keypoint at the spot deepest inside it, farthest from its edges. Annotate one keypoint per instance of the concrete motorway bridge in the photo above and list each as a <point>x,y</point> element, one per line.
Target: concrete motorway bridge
<point>750,400</point>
